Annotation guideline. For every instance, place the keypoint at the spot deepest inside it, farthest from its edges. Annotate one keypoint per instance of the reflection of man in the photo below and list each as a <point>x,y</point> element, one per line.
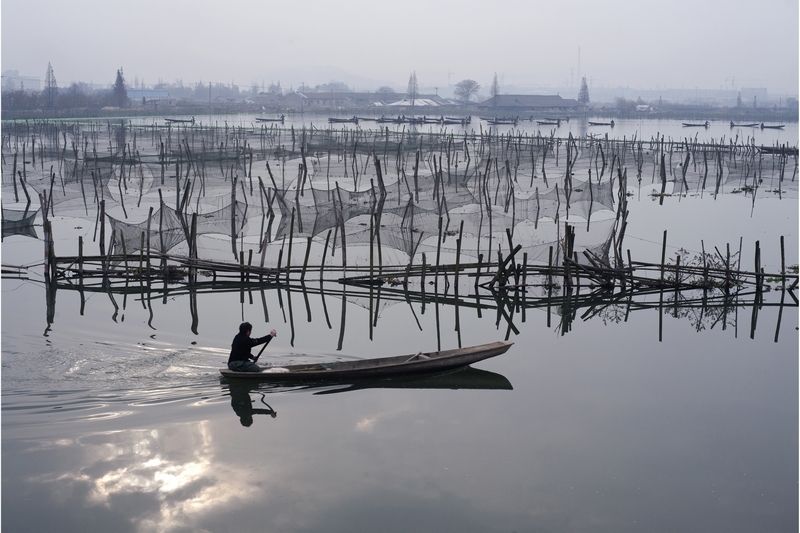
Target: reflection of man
<point>243,405</point>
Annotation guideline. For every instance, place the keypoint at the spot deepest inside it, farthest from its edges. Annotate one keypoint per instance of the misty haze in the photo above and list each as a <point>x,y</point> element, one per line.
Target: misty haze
<point>523,266</point>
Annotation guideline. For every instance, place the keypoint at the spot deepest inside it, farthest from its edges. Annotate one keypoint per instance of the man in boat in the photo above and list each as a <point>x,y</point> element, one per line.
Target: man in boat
<point>240,358</point>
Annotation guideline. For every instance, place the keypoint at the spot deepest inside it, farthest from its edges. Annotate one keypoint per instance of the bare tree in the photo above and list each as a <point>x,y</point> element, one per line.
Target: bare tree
<point>583,95</point>
<point>385,92</point>
<point>412,93</point>
<point>466,89</point>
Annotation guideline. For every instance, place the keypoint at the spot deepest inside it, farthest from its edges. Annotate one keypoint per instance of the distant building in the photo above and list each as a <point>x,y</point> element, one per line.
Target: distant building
<point>343,100</point>
<point>425,101</point>
<point>148,94</point>
<point>529,102</point>
<point>328,100</point>
<point>12,81</point>
<point>268,99</point>
<point>642,108</point>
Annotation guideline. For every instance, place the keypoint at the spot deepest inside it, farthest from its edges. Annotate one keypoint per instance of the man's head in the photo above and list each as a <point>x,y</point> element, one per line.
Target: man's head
<point>245,327</point>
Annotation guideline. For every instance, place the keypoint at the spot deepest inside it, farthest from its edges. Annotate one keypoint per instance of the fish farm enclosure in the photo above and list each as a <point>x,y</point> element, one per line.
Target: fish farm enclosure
<point>202,206</point>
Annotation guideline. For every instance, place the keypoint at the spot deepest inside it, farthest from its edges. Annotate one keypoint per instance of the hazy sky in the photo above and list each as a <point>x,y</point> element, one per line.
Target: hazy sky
<point>648,45</point>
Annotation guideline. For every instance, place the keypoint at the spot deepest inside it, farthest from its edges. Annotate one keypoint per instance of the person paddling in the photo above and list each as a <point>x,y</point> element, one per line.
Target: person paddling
<point>240,358</point>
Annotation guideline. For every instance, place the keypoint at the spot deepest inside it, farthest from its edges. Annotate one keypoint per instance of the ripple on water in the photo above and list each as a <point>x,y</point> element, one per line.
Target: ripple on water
<point>92,383</point>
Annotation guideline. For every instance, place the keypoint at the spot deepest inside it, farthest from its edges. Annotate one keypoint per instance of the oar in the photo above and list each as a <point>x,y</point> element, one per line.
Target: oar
<point>259,353</point>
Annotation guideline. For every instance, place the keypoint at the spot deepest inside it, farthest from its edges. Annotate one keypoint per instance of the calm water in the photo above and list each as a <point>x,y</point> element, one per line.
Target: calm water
<point>642,128</point>
<point>114,417</point>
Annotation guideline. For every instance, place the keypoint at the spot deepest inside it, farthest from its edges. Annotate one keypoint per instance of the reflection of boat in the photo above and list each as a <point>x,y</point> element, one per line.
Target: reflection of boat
<point>379,367</point>
<point>772,127</point>
<point>695,124</point>
<point>753,125</point>
<point>602,123</point>
<point>264,119</point>
<point>462,378</point>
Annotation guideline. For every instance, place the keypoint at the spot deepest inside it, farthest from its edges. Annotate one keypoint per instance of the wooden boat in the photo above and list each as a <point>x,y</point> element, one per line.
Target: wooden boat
<point>380,367</point>
<point>501,120</point>
<point>179,120</point>
<point>772,127</point>
<point>546,122</point>
<point>602,123</point>
<point>753,125</point>
<point>456,120</point>
<point>781,149</point>
<point>695,125</point>
<point>336,120</point>
<point>264,119</point>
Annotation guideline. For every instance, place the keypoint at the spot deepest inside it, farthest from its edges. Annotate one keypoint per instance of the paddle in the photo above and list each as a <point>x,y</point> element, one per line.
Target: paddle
<point>273,334</point>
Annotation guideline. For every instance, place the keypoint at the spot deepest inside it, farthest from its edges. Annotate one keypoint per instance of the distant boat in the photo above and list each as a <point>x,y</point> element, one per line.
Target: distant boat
<point>500,120</point>
<point>772,127</point>
<point>337,120</point>
<point>457,120</point>
<point>602,123</point>
<point>782,149</point>
<point>260,119</point>
<point>695,125</point>
<point>548,122</point>
<point>179,120</point>
<point>557,119</point>
<point>753,125</point>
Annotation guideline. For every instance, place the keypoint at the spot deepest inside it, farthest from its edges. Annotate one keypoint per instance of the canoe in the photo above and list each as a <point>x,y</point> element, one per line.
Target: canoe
<point>266,119</point>
<point>602,123</point>
<point>772,127</point>
<point>496,121</point>
<point>379,367</point>
<point>748,125</point>
<point>695,125</point>
<point>787,150</point>
<point>179,120</point>
<point>335,120</point>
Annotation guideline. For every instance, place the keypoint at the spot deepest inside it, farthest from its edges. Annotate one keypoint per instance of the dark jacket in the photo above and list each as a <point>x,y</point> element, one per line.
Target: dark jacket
<point>240,349</point>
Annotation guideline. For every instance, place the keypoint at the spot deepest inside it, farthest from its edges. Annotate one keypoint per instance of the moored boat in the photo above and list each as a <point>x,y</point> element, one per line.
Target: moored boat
<point>696,124</point>
<point>338,120</point>
<point>179,120</point>
<point>495,121</point>
<point>267,119</point>
<point>602,123</point>
<point>772,126</point>
<point>379,367</point>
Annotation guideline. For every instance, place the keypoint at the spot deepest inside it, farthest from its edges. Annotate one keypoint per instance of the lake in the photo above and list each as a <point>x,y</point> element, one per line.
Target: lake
<point>613,411</point>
